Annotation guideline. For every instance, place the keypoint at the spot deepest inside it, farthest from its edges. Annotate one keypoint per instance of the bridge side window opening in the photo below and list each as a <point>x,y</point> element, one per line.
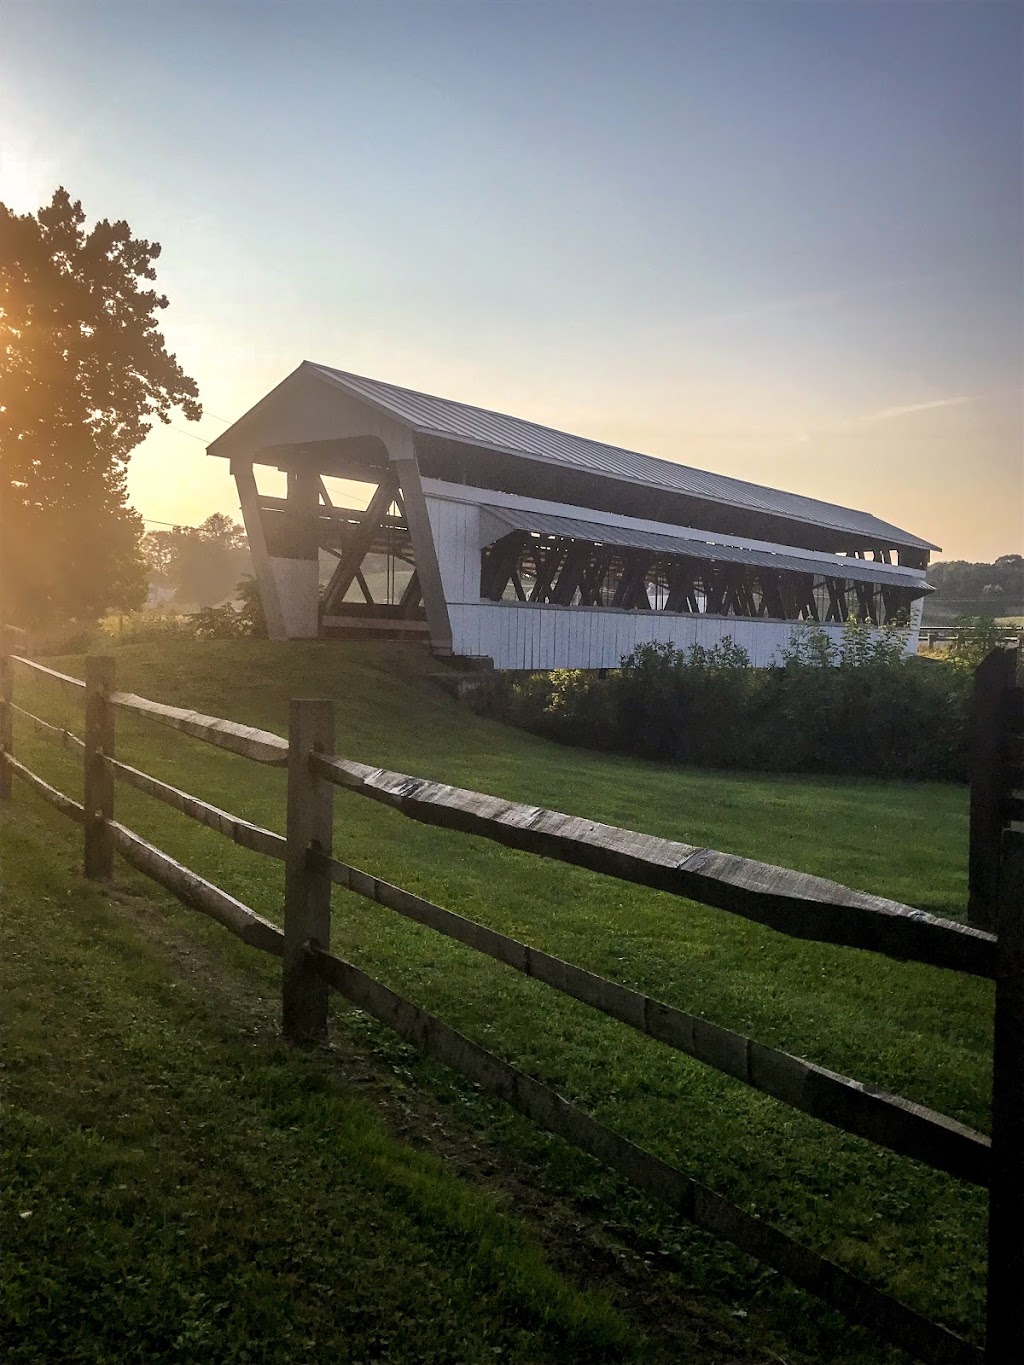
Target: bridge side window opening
<point>530,568</point>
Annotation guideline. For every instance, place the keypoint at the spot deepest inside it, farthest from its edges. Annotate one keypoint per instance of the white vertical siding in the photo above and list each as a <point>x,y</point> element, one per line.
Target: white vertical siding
<point>535,637</point>
<point>456,530</point>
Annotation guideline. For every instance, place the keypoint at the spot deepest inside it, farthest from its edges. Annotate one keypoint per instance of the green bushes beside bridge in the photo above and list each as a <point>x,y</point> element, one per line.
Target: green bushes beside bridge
<point>858,707</point>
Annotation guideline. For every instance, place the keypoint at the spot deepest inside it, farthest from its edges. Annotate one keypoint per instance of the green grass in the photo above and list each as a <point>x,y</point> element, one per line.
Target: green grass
<point>920,1031</point>
<point>173,1193</point>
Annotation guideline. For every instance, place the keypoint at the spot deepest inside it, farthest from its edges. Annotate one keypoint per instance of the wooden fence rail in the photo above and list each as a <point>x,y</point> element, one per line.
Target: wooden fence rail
<point>793,903</point>
<point>195,891</point>
<point>860,1301</point>
<point>887,1120</point>
<point>259,745</point>
<point>55,798</point>
<point>77,684</point>
<point>67,737</point>
<point>242,832</point>
<point>800,905</point>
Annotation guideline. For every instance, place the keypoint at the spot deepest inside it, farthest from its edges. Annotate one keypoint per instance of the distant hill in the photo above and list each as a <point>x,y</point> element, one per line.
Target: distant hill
<point>963,588</point>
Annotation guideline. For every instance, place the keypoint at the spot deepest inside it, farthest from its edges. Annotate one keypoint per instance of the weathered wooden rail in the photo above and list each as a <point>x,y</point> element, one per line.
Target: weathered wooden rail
<point>930,636</point>
<point>789,902</point>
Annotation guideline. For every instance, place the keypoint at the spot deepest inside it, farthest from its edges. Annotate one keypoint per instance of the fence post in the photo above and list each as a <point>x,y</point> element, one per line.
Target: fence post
<point>1004,1338</point>
<point>99,780</point>
<point>993,679</point>
<point>307,883</point>
<point>6,721</point>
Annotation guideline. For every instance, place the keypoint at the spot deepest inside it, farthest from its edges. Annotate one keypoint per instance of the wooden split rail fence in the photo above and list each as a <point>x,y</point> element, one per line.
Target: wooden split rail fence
<point>790,902</point>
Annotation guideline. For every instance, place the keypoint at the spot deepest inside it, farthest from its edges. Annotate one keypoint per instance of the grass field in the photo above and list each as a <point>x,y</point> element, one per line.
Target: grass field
<point>922,1032</point>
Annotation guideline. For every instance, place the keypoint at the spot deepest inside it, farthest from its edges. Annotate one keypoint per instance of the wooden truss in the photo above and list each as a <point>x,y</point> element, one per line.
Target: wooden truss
<point>353,537</point>
<point>565,572</point>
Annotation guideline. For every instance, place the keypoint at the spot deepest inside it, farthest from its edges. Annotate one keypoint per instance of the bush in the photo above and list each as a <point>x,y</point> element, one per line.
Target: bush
<point>979,636</point>
<point>152,626</point>
<point>251,611</point>
<point>857,706</point>
<point>208,623</point>
<point>219,623</point>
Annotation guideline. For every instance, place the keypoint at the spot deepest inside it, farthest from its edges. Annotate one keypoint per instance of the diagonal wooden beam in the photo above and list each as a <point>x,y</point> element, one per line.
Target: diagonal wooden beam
<point>737,594</point>
<point>421,536</point>
<point>631,591</point>
<point>412,595</point>
<point>252,516</point>
<point>687,582</point>
<point>713,594</point>
<point>808,602</point>
<point>360,541</point>
<point>576,560</point>
<point>790,606</point>
<point>866,609</point>
<point>499,564</point>
<point>546,565</point>
<point>590,587</point>
<point>364,588</point>
<point>837,600</point>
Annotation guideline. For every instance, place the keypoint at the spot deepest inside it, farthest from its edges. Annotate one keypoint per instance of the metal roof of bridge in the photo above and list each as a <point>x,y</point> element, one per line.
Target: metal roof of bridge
<point>460,422</point>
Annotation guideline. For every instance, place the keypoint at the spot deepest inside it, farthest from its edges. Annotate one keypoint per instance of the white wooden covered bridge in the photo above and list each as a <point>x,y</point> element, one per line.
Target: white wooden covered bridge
<point>498,538</point>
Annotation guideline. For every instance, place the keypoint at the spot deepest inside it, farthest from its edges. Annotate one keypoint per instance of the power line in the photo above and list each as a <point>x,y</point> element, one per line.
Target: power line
<point>191,434</point>
<point>194,436</point>
<point>174,525</point>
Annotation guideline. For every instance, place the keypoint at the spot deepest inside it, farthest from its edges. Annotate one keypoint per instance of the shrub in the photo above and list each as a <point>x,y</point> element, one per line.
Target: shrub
<point>151,626</point>
<point>251,610</point>
<point>856,706</point>
<point>978,637</point>
<point>218,623</point>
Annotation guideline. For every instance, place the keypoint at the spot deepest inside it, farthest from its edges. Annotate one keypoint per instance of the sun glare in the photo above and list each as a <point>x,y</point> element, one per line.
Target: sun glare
<point>26,181</point>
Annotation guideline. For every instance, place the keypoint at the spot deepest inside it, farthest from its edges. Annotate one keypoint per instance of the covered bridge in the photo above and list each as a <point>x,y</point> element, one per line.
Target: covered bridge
<point>498,538</point>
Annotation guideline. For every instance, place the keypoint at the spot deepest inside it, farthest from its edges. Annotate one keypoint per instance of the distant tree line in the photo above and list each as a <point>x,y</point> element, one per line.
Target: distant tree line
<point>963,588</point>
<point>197,566</point>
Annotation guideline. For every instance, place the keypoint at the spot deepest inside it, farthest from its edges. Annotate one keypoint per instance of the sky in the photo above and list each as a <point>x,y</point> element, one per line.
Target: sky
<point>781,240</point>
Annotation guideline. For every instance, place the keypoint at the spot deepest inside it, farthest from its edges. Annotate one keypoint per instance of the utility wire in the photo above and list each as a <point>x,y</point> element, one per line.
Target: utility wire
<point>195,436</point>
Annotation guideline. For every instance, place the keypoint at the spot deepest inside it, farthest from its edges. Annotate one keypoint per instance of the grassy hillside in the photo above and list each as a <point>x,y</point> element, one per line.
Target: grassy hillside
<point>920,1031</point>
<point>173,1192</point>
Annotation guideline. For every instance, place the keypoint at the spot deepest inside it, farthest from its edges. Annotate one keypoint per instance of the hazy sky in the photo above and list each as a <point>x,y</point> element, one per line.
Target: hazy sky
<point>779,240</point>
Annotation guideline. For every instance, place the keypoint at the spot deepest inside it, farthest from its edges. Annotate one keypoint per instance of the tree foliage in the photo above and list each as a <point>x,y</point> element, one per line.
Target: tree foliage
<point>976,589</point>
<point>252,607</point>
<point>85,374</point>
<point>199,565</point>
<point>978,637</point>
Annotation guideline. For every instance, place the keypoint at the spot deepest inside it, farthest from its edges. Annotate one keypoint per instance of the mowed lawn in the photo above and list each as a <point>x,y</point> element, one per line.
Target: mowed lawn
<point>922,1032</point>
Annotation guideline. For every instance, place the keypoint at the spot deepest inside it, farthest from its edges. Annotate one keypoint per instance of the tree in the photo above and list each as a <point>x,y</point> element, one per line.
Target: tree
<point>976,589</point>
<point>200,563</point>
<point>158,552</point>
<point>84,373</point>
